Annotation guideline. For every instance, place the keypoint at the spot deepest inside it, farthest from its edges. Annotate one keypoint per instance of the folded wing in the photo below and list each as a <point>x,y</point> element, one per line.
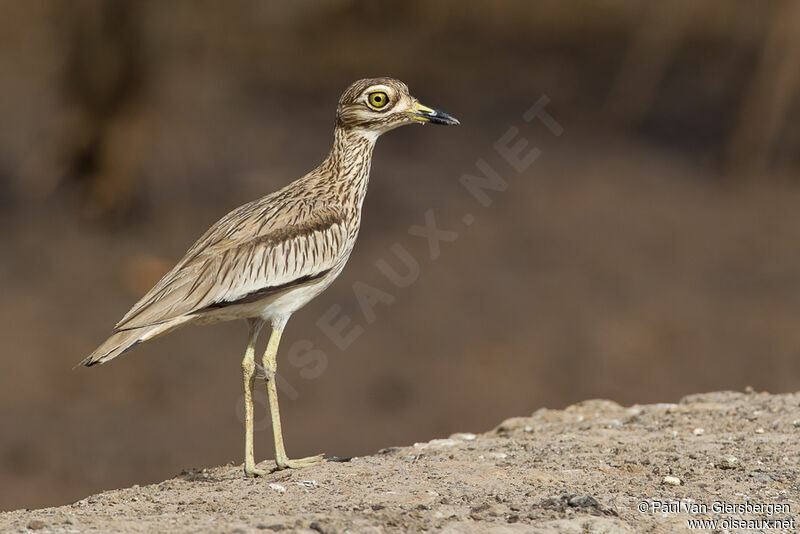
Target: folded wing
<point>255,250</point>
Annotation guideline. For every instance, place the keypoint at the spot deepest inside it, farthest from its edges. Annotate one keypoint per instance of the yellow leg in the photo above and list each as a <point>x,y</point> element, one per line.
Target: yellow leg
<point>270,368</point>
<point>249,379</point>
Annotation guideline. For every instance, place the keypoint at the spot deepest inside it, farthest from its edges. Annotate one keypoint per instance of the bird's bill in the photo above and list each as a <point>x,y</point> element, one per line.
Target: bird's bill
<point>425,114</point>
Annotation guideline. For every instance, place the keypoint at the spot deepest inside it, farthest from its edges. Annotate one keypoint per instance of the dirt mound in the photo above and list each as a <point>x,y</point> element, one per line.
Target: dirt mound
<point>593,467</point>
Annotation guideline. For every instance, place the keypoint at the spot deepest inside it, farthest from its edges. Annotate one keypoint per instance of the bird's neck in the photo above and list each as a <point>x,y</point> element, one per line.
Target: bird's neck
<point>349,162</point>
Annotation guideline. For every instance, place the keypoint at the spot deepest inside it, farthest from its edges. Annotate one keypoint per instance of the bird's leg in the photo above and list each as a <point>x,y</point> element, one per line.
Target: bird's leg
<point>270,368</point>
<point>249,379</point>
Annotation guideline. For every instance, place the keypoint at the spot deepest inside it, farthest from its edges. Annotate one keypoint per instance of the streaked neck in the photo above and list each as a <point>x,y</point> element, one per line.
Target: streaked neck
<point>350,160</point>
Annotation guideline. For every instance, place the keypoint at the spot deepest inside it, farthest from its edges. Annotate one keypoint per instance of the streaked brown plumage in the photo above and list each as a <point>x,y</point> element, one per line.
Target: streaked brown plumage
<point>266,259</point>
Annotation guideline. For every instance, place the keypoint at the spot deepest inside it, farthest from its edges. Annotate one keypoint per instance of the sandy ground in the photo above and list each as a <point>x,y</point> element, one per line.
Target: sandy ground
<point>592,467</point>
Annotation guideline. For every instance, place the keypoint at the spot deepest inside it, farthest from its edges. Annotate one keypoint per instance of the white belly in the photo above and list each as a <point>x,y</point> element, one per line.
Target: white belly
<point>288,302</point>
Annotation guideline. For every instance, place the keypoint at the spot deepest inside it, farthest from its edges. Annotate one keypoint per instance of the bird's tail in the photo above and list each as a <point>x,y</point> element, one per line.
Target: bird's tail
<point>124,340</point>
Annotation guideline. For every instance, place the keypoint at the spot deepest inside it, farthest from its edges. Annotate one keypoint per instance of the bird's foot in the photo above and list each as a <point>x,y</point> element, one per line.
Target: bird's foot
<point>286,463</point>
<point>253,471</point>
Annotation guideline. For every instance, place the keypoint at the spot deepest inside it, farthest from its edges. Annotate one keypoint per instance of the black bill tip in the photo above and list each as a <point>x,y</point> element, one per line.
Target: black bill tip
<point>436,116</point>
<point>440,117</point>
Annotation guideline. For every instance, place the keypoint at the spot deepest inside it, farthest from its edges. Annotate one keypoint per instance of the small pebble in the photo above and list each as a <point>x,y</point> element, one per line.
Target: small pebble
<point>464,436</point>
<point>277,487</point>
<point>585,501</point>
<point>36,524</point>
<point>759,430</point>
<point>698,431</point>
<point>727,461</point>
<point>670,480</point>
<point>436,443</point>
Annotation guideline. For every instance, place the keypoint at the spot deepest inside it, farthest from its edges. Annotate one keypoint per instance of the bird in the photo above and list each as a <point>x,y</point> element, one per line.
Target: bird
<point>266,259</point>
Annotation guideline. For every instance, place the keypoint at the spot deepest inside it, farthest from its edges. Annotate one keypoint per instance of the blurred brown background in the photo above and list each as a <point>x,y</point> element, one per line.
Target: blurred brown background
<point>651,251</point>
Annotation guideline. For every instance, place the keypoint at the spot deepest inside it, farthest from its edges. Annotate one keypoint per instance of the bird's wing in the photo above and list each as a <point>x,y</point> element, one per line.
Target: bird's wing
<point>252,252</point>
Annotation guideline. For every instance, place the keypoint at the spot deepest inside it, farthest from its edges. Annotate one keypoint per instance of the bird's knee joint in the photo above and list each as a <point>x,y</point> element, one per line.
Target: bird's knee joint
<point>269,372</point>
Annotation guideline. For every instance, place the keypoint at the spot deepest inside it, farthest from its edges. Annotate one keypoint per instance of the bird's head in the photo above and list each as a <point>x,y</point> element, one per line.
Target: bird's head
<point>377,105</point>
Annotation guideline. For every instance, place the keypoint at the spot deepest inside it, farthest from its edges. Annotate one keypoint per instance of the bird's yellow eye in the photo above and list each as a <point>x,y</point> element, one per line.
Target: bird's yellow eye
<point>378,99</point>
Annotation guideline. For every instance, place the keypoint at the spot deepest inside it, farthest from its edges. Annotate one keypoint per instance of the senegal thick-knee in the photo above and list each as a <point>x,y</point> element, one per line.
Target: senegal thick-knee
<point>268,258</point>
